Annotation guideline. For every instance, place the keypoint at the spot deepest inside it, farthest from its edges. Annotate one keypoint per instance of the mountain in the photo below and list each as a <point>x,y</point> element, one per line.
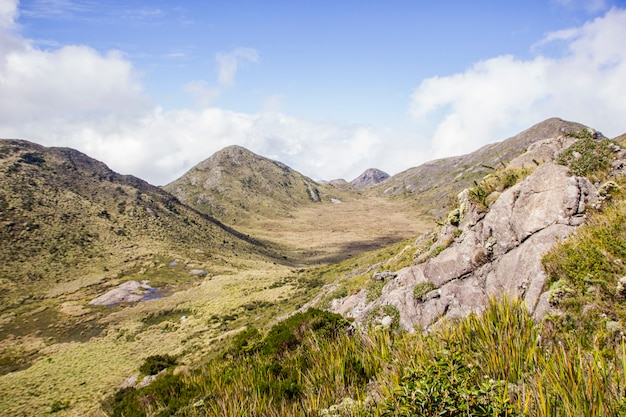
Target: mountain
<point>369,178</point>
<point>433,184</point>
<point>514,306</point>
<point>236,184</point>
<point>313,222</point>
<point>493,243</point>
<point>66,217</point>
<point>207,291</point>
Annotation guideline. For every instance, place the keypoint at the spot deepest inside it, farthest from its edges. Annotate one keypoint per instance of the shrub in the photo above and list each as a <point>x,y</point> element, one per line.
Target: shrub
<point>449,386</point>
<point>152,365</point>
<point>374,290</point>
<point>587,157</point>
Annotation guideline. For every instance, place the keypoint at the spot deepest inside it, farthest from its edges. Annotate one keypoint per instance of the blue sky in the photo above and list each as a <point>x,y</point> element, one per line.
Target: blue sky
<point>330,88</point>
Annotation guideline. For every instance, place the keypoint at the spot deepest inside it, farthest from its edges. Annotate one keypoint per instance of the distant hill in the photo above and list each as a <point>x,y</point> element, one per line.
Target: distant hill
<point>235,184</point>
<point>435,184</point>
<point>66,216</point>
<point>369,178</point>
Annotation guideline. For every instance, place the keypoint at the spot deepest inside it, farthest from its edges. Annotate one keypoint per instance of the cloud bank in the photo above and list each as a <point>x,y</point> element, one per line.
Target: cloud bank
<point>584,82</point>
<point>95,102</point>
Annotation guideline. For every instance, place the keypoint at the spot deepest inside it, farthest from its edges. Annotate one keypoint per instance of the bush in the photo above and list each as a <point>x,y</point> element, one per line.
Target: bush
<point>449,386</point>
<point>587,157</point>
<point>152,365</point>
<point>422,289</point>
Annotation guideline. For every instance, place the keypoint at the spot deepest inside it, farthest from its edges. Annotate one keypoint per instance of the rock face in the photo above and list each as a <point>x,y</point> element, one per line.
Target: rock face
<point>369,178</point>
<point>492,253</point>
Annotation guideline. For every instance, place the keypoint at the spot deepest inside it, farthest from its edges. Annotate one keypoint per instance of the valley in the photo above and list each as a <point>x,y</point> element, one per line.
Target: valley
<point>241,242</point>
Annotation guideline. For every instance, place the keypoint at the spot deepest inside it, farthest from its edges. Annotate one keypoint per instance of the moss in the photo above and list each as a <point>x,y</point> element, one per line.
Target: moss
<point>421,289</point>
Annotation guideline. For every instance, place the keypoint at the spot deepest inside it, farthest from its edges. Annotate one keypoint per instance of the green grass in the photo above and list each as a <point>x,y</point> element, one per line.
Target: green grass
<point>497,181</point>
<point>490,364</point>
<point>588,157</point>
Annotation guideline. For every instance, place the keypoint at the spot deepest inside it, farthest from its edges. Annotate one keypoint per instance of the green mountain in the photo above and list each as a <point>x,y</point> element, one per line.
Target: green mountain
<point>224,262</point>
<point>235,184</point>
<point>65,216</point>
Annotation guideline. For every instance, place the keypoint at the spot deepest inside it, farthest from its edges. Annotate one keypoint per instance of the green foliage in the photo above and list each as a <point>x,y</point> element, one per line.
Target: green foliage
<point>583,273</point>
<point>497,181</point>
<point>374,290</point>
<point>154,364</point>
<point>588,157</point>
<point>422,289</point>
<point>450,385</point>
<point>489,364</point>
<point>59,405</point>
<point>437,250</point>
<point>245,342</point>
<point>580,134</point>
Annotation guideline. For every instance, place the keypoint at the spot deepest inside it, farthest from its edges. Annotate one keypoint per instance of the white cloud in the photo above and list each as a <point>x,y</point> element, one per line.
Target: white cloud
<point>8,13</point>
<point>500,96</point>
<point>73,82</point>
<point>76,96</point>
<point>229,63</point>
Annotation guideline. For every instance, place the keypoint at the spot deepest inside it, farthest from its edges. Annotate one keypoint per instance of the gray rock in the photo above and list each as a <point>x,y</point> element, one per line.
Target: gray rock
<point>621,287</point>
<point>384,275</point>
<point>128,292</point>
<point>498,252</point>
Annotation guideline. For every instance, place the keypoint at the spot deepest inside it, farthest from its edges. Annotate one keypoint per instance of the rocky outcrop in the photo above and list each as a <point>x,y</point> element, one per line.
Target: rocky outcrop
<point>492,252</point>
<point>128,292</point>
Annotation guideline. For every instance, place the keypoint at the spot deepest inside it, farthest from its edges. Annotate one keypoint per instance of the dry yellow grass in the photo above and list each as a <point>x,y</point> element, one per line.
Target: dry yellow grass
<point>333,232</point>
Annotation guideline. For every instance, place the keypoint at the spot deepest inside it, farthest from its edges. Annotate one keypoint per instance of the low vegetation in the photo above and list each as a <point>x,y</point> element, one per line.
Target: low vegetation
<point>482,194</point>
<point>588,157</point>
<point>314,363</point>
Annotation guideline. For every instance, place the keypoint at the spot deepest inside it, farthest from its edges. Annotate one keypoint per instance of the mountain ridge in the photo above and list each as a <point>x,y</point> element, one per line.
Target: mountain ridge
<point>70,220</point>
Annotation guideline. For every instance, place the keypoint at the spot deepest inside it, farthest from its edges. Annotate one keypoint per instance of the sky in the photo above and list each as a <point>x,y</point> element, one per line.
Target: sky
<point>330,88</point>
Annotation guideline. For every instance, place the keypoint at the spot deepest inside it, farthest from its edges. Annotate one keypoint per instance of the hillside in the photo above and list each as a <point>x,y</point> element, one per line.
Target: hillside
<point>66,216</point>
<point>521,291</point>
<point>72,230</point>
<point>312,222</point>
<point>235,184</point>
<point>222,305</point>
<point>433,185</point>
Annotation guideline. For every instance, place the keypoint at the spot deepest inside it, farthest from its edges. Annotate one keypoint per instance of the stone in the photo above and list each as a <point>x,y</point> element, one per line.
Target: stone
<point>383,276</point>
<point>621,287</point>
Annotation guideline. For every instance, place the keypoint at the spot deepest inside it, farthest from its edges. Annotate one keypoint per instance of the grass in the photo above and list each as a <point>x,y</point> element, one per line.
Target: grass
<point>482,193</point>
<point>490,364</point>
<point>82,373</point>
<point>588,157</point>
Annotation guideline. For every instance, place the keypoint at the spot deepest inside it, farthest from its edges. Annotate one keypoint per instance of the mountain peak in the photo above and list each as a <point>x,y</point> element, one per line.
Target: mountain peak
<point>369,178</point>
<point>236,183</point>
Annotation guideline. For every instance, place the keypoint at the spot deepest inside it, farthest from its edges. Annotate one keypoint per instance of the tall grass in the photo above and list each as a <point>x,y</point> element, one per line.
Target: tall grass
<point>493,364</point>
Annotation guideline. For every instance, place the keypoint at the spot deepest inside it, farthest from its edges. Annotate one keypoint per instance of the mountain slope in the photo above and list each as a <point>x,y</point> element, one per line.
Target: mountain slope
<point>66,216</point>
<point>433,184</point>
<point>235,184</point>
